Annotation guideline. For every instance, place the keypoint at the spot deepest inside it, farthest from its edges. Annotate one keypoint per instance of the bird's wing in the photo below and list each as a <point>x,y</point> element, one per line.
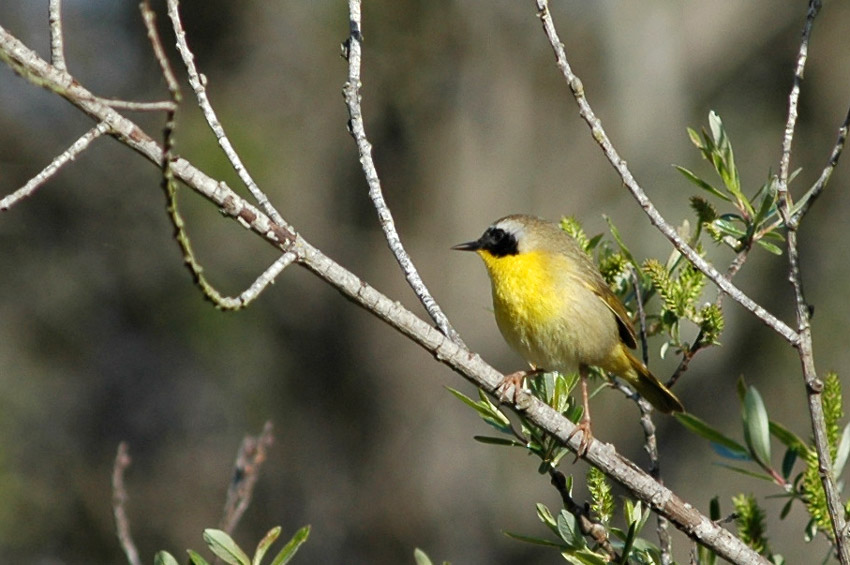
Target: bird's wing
<point>624,324</point>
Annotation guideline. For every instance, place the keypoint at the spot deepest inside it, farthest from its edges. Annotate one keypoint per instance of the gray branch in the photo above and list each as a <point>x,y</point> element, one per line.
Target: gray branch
<point>353,48</point>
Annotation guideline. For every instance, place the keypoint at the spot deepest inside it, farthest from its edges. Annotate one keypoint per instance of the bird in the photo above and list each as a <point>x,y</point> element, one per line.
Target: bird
<point>553,307</point>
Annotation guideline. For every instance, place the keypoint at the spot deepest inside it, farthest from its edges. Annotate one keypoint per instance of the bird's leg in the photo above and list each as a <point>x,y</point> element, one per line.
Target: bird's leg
<point>513,382</point>
<point>584,425</point>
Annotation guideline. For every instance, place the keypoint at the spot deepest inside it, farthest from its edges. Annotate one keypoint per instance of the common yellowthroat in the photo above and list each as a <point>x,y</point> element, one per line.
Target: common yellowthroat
<point>554,308</point>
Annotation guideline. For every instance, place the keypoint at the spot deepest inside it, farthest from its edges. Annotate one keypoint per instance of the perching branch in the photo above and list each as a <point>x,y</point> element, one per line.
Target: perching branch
<point>352,50</point>
<point>655,217</point>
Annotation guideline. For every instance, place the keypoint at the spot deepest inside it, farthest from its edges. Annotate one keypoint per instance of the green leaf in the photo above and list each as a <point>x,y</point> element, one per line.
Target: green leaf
<point>705,431</point>
<point>498,441</point>
<point>788,461</point>
<point>701,183</point>
<point>292,546</point>
<point>786,509</point>
<point>714,509</point>
<point>629,543</point>
<point>769,247</point>
<point>535,540</point>
<point>164,558</point>
<point>788,438</point>
<point>264,545</point>
<point>420,557</point>
<point>546,517</point>
<point>196,558</point>
<point>747,472</point>
<point>585,557</point>
<point>757,427</point>
<point>225,548</point>
<point>842,452</point>
<point>615,233</point>
<point>569,531</point>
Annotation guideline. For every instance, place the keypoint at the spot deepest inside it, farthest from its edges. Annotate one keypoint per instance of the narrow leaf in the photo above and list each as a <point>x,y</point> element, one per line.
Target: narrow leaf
<point>420,557</point>
<point>164,558</point>
<point>701,183</point>
<point>264,545</point>
<point>757,427</point>
<point>705,431</point>
<point>196,558</point>
<point>788,438</point>
<point>769,247</point>
<point>225,548</point>
<point>536,541</point>
<point>498,441</point>
<point>292,546</point>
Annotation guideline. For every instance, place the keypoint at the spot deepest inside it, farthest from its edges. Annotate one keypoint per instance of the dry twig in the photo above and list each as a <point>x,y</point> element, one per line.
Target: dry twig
<point>119,502</point>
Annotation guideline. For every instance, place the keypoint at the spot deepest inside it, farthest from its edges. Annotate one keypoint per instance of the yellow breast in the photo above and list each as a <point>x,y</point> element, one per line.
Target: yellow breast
<point>547,314</point>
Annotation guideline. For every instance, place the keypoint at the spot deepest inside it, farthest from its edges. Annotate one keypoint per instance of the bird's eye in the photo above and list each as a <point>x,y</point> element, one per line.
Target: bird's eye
<point>500,242</point>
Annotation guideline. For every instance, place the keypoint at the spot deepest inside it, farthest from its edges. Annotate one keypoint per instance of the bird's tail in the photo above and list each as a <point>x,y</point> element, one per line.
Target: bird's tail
<point>651,388</point>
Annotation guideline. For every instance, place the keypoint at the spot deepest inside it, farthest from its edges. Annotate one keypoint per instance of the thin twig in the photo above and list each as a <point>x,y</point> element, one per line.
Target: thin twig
<point>812,194</point>
<point>586,524</point>
<point>119,501</point>
<point>793,99</point>
<point>62,159</point>
<point>160,106</point>
<point>683,515</point>
<point>246,471</point>
<point>352,50</point>
<point>655,217</point>
<point>57,47</point>
<point>650,441</point>
<point>198,83</point>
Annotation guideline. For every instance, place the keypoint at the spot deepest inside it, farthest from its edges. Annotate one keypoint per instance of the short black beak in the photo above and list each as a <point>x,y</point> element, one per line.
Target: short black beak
<point>468,246</point>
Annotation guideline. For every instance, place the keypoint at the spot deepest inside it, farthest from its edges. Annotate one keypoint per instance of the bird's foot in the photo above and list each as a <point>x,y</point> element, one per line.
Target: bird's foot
<point>586,436</point>
<point>510,385</point>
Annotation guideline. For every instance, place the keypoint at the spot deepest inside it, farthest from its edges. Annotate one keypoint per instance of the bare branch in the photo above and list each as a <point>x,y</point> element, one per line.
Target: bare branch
<point>57,47</point>
<point>791,122</point>
<point>161,106</point>
<point>352,50</point>
<point>149,18</point>
<point>655,217</point>
<point>246,471</point>
<point>62,159</point>
<point>119,501</point>
<point>198,83</point>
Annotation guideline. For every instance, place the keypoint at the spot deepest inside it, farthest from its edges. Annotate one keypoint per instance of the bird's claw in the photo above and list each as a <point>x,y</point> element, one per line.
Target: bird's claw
<point>510,385</point>
<point>586,437</point>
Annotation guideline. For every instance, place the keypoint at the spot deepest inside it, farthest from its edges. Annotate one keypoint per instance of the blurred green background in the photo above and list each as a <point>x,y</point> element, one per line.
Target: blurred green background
<point>104,338</point>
